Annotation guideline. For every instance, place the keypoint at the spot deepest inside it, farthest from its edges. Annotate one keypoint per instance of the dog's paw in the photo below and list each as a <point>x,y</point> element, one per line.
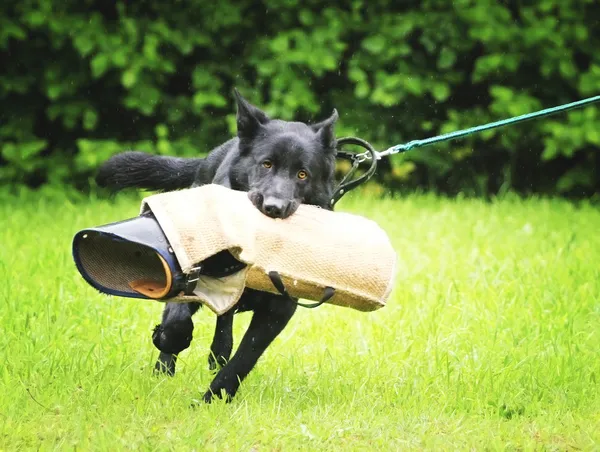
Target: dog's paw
<point>165,365</point>
<point>215,363</point>
<point>207,399</point>
<point>212,362</point>
<point>210,396</point>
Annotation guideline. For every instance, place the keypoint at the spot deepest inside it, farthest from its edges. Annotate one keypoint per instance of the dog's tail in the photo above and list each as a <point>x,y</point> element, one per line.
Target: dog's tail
<point>134,169</point>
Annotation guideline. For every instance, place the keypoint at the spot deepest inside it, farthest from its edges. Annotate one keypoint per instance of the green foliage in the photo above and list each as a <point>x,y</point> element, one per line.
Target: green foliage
<point>83,80</point>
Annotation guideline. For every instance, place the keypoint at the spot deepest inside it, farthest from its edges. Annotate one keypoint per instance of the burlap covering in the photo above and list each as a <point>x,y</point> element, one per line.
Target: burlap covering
<point>312,249</point>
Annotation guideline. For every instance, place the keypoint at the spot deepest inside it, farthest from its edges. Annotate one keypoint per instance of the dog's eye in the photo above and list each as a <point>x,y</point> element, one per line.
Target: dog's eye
<point>267,164</point>
<point>302,174</point>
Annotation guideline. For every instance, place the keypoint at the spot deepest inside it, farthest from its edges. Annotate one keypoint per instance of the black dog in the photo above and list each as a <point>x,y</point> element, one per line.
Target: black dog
<point>280,164</point>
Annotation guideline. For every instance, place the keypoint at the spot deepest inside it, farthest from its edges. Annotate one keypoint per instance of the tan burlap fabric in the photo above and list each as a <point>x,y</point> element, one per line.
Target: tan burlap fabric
<point>312,249</point>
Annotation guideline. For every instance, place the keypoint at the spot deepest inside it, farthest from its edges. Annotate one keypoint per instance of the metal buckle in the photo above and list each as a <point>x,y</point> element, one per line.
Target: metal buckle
<point>196,272</point>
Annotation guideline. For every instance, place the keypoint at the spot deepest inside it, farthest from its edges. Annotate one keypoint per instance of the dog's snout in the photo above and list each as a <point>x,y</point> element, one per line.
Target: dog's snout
<point>274,207</point>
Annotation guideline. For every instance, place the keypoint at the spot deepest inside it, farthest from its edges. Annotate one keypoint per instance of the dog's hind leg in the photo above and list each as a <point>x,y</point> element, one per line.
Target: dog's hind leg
<point>271,314</point>
<point>222,344</point>
<point>174,334</point>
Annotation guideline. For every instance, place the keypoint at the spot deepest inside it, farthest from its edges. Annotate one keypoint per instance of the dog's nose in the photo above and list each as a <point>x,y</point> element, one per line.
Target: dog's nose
<point>274,207</point>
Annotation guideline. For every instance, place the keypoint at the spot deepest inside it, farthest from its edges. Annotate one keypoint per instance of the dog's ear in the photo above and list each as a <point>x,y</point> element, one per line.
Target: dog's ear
<point>325,130</point>
<point>249,117</point>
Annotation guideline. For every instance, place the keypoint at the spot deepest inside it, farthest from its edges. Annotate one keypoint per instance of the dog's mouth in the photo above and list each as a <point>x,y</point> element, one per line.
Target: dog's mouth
<point>273,207</point>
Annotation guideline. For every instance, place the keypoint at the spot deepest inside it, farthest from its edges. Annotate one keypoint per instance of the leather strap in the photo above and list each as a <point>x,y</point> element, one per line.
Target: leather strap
<point>278,284</point>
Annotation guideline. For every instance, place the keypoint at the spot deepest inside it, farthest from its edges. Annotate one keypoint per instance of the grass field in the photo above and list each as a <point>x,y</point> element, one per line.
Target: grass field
<point>491,340</point>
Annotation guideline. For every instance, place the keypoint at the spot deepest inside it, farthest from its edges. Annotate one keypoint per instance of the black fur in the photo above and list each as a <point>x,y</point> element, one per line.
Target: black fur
<point>281,164</point>
<point>141,170</point>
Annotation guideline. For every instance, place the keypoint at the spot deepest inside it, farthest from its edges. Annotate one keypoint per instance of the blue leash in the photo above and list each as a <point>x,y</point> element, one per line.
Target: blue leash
<point>465,132</point>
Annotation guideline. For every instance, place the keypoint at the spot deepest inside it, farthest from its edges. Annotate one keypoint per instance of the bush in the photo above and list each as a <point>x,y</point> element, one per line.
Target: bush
<point>84,80</point>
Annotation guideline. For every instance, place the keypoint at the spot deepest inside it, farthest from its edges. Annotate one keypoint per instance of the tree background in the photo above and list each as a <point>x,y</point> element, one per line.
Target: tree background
<point>82,80</point>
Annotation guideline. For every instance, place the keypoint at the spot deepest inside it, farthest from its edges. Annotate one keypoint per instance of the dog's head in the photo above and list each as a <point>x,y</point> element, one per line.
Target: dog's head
<point>287,163</point>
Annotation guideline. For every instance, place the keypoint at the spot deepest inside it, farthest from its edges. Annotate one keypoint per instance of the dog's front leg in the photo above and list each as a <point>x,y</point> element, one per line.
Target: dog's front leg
<point>222,344</point>
<point>174,334</point>
<point>271,314</point>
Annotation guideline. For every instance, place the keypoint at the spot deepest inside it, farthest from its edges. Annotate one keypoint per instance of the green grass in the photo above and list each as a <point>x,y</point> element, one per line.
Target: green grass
<point>490,341</point>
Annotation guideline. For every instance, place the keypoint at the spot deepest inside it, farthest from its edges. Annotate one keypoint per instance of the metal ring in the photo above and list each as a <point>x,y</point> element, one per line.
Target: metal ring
<point>344,187</point>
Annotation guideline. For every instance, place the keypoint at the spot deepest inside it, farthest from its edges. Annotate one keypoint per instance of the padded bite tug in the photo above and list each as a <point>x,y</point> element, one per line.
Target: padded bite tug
<point>311,250</point>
